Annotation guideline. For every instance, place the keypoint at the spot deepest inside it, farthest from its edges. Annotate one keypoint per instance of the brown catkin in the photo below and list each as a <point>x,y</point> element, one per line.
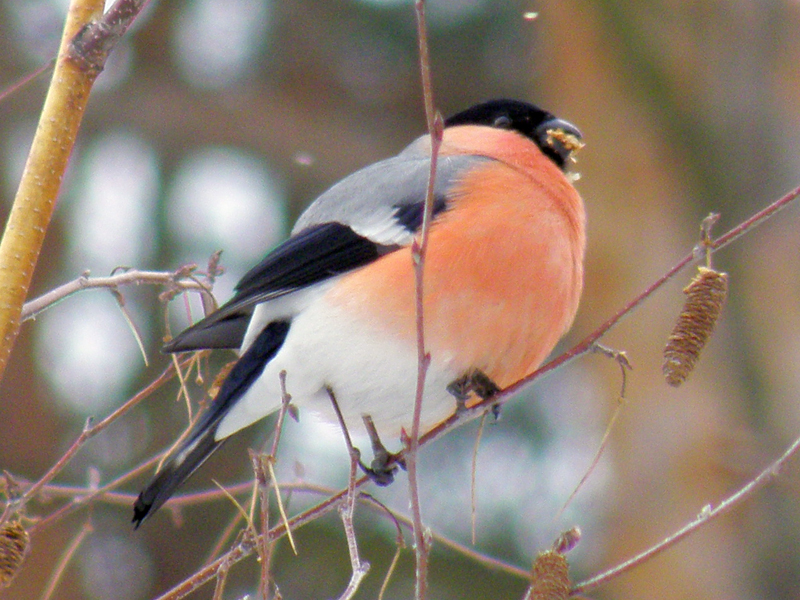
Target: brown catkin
<point>705,296</point>
<point>550,577</point>
<point>13,547</point>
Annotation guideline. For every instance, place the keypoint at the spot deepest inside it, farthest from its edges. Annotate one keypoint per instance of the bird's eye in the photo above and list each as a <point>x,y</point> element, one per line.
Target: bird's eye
<point>502,122</point>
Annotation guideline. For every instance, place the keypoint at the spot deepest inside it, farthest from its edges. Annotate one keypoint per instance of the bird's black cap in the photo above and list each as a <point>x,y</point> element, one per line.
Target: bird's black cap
<point>555,137</point>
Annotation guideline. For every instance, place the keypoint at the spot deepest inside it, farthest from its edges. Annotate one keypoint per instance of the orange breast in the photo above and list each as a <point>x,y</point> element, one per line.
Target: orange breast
<point>503,274</point>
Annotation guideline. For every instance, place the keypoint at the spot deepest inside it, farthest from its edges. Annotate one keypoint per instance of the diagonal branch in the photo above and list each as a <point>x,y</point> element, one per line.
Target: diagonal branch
<point>706,514</point>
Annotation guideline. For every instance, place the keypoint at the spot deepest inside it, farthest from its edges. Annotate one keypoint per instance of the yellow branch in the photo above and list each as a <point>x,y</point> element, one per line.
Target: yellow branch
<point>36,197</point>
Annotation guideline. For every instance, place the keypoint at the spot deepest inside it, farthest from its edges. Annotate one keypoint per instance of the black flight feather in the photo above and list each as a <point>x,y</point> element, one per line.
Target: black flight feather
<point>201,442</point>
<point>312,255</point>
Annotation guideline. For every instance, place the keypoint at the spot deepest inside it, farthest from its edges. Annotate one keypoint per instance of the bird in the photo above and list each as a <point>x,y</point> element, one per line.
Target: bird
<point>332,309</point>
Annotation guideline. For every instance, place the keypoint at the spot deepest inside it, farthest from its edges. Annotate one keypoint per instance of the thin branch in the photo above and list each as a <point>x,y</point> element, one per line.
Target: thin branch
<point>126,314</point>
<point>358,568</point>
<point>177,280</point>
<point>265,474</point>
<point>246,546</point>
<point>264,547</point>
<point>418,251</point>
<point>83,496</point>
<point>390,571</point>
<point>230,528</point>
<point>281,509</point>
<point>754,221</point>
<point>94,42</point>
<point>708,514</point>
<point>89,431</point>
<point>473,491</point>
<point>65,559</point>
<point>26,79</point>
<point>222,579</point>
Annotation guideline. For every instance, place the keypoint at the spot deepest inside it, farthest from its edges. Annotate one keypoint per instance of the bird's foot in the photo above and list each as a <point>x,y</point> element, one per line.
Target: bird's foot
<point>384,463</point>
<point>474,382</point>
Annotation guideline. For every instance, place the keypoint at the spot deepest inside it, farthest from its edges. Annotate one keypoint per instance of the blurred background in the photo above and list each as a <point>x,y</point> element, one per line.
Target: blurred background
<point>217,121</point>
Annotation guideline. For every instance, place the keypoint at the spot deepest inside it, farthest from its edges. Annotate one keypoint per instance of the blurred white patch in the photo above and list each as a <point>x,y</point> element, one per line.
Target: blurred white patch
<point>114,446</point>
<point>86,352</point>
<point>37,26</point>
<point>115,566</point>
<point>111,209</point>
<point>216,41</point>
<point>224,199</point>
<point>303,158</point>
<point>319,447</point>
<point>117,67</point>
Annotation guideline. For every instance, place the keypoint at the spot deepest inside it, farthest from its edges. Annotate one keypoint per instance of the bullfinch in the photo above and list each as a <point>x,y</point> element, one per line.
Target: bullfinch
<point>333,307</point>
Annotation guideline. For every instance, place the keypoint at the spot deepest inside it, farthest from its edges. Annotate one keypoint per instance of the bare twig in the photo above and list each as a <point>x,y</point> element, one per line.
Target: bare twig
<point>266,558</point>
<point>222,579</point>
<point>65,559</point>
<point>596,458</point>
<point>82,496</point>
<point>264,546</point>
<point>418,251</point>
<point>473,500</point>
<point>231,527</point>
<point>91,47</point>
<point>26,79</point>
<point>246,546</point>
<point>89,431</point>
<point>265,474</point>
<point>707,514</point>
<point>126,314</point>
<point>390,570</point>
<point>358,568</point>
<point>178,280</point>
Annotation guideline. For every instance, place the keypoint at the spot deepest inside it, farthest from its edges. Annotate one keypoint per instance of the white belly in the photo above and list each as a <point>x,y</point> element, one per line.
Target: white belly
<point>370,372</point>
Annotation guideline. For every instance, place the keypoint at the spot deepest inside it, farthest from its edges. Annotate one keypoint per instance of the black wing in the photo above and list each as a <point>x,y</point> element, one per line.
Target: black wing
<point>312,255</point>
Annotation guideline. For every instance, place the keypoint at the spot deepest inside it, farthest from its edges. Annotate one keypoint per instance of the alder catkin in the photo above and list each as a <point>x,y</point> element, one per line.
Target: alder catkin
<point>13,547</point>
<point>705,296</point>
<point>550,577</point>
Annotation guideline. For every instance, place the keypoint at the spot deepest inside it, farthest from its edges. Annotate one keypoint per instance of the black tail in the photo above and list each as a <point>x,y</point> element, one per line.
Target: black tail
<point>174,472</point>
<point>202,442</point>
